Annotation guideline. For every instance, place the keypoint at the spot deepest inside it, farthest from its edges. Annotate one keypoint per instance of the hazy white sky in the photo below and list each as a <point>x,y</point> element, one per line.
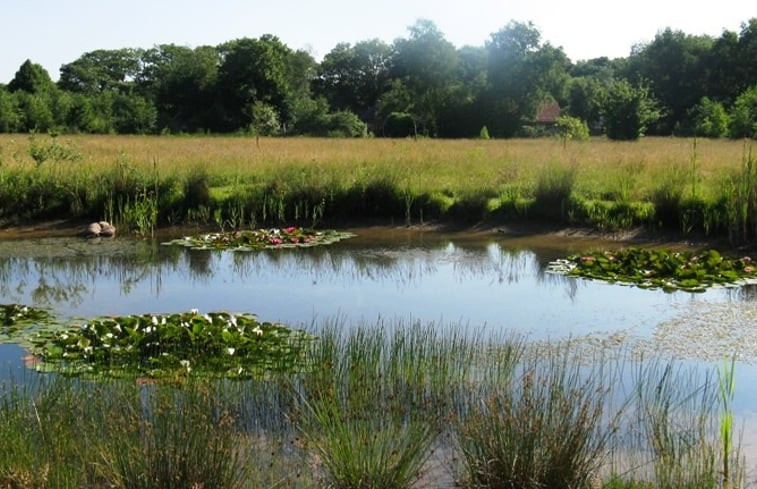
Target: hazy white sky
<point>54,32</point>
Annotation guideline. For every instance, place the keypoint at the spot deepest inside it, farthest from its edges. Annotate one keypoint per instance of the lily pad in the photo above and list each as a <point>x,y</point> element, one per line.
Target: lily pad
<point>248,240</point>
<point>15,319</point>
<point>669,270</point>
<point>218,344</point>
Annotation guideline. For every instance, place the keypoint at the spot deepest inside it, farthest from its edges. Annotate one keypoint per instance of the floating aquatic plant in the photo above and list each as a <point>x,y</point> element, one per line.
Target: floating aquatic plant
<point>669,270</point>
<point>213,344</point>
<point>15,318</point>
<point>289,237</point>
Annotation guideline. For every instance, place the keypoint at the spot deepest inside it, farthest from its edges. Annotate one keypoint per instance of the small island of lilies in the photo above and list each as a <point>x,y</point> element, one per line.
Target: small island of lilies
<point>665,269</point>
<point>256,239</point>
<point>215,344</point>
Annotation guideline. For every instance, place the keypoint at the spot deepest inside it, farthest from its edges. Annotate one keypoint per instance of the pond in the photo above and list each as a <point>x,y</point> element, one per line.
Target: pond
<point>473,281</point>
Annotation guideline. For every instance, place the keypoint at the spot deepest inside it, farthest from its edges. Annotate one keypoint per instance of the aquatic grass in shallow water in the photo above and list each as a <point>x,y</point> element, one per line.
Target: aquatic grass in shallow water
<point>290,237</point>
<point>669,270</point>
<point>215,344</point>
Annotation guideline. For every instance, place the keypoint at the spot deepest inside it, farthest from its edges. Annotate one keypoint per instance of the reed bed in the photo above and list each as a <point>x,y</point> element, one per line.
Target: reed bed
<point>384,405</point>
<point>690,186</point>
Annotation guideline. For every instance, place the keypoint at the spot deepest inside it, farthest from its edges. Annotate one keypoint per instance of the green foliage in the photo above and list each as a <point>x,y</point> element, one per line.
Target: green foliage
<point>32,79</point>
<point>172,438</point>
<point>545,427</point>
<point>53,150</point>
<point>628,110</point>
<point>214,344</point>
<point>660,268</point>
<point>744,115</point>
<point>265,121</point>
<point>484,133</point>
<point>572,128</point>
<point>288,237</point>
<point>706,119</point>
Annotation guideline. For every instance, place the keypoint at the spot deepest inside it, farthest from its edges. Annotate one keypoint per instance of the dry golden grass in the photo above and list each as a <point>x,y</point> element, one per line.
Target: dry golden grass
<point>602,167</point>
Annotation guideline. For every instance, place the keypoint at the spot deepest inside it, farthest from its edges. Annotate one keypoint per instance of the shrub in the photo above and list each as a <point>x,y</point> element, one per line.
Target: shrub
<point>572,128</point>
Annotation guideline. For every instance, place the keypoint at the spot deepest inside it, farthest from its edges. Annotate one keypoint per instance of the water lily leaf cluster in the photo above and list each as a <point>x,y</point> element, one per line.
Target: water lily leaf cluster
<point>15,318</point>
<point>248,240</point>
<point>666,269</point>
<point>212,344</point>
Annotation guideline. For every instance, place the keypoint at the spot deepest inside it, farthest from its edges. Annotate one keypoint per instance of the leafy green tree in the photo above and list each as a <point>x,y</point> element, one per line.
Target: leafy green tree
<point>181,82</point>
<point>744,115</point>
<point>253,70</point>
<point>628,110</point>
<point>572,128</point>
<point>10,119</point>
<point>265,121</point>
<point>35,111</point>
<point>673,65</point>
<point>522,73</point>
<point>426,64</point>
<point>354,77</point>
<point>585,95</point>
<point>133,114</point>
<point>101,70</point>
<point>31,78</point>
<point>707,119</point>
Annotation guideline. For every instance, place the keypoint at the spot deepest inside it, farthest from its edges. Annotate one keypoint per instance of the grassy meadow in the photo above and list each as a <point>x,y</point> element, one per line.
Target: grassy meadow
<point>689,186</point>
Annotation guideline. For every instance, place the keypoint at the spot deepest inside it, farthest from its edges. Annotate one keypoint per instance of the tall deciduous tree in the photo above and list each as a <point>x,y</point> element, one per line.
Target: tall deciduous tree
<point>426,64</point>
<point>674,66</point>
<point>522,73</point>
<point>628,110</point>
<point>102,70</point>
<point>253,70</point>
<point>354,77</point>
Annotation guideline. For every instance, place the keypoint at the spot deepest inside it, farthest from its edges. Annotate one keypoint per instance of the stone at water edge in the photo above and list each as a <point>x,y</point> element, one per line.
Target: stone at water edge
<point>100,229</point>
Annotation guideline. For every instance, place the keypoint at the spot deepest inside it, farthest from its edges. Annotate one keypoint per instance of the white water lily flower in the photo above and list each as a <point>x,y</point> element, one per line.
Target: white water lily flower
<point>87,349</point>
<point>240,370</point>
<point>109,335</point>
<point>194,311</point>
<point>208,318</point>
<point>64,336</point>
<point>257,331</point>
<point>233,320</point>
<point>163,320</point>
<point>154,320</point>
<point>149,329</point>
<point>231,350</point>
<point>117,327</point>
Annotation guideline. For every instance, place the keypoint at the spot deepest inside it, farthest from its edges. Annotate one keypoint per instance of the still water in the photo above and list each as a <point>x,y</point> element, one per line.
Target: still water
<point>455,280</point>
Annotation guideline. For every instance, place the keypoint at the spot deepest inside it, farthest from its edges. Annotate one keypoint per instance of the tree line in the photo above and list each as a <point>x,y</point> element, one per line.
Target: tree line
<point>421,85</point>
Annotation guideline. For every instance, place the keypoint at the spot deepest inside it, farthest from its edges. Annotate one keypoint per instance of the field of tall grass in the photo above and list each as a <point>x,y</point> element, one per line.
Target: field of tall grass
<point>684,185</point>
<point>384,406</point>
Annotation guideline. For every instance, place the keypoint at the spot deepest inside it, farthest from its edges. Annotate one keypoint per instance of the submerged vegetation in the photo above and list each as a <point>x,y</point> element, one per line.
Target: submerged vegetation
<point>382,406</point>
<point>664,269</point>
<point>702,188</point>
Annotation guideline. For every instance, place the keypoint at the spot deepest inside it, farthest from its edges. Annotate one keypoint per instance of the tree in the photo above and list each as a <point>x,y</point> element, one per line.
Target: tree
<point>253,70</point>
<point>707,119</point>
<point>628,110</point>
<point>521,75</point>
<point>265,121</point>
<point>673,65</point>
<point>101,70</point>
<point>182,83</point>
<point>10,119</point>
<point>354,77</point>
<point>31,78</point>
<point>744,115</point>
<point>426,64</point>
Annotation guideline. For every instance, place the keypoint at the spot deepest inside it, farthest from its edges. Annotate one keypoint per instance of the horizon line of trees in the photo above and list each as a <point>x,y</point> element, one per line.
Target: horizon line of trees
<point>421,85</point>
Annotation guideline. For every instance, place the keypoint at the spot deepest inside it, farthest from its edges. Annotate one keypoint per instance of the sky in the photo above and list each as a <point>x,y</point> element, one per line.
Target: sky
<point>55,32</point>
